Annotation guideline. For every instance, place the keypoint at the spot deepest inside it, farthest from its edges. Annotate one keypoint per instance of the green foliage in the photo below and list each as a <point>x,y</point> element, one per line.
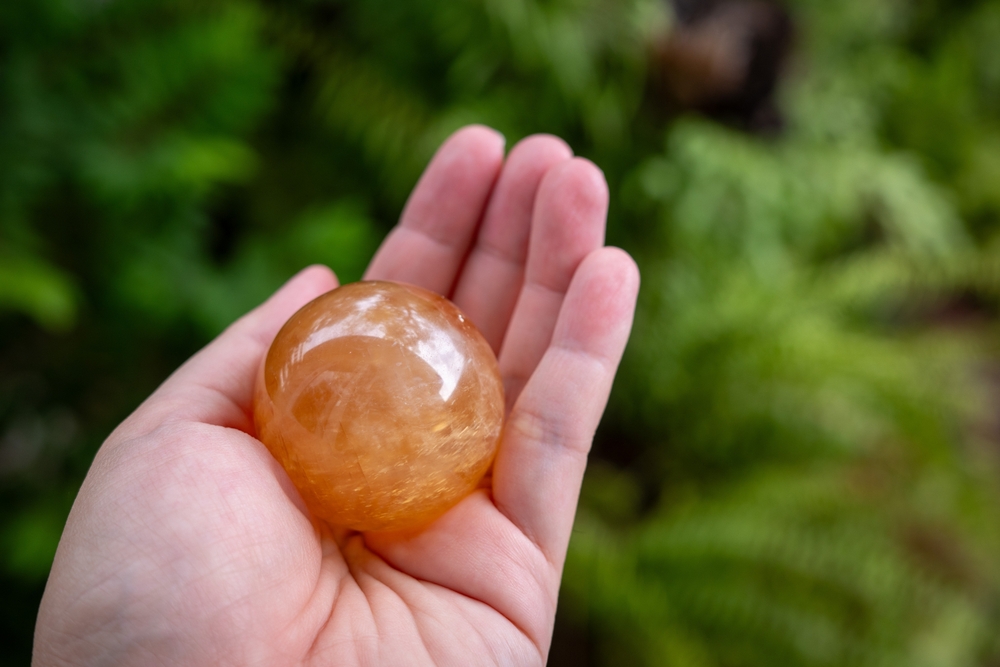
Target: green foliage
<point>37,289</point>
<point>779,570</point>
<point>798,463</point>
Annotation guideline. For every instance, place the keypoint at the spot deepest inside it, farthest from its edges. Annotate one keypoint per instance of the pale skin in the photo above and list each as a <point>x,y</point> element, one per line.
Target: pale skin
<point>187,544</point>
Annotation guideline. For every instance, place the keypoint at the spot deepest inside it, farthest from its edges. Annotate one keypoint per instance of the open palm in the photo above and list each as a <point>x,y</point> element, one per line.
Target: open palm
<point>187,544</point>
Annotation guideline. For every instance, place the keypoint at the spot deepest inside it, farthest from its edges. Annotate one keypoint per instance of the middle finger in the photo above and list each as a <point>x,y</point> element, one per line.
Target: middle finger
<point>491,280</point>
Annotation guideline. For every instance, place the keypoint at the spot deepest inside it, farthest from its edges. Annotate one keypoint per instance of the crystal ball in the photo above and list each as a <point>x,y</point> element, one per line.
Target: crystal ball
<point>382,402</point>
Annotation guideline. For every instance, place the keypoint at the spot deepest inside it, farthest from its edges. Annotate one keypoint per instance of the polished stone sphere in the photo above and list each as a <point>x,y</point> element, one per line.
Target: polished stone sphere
<point>383,403</point>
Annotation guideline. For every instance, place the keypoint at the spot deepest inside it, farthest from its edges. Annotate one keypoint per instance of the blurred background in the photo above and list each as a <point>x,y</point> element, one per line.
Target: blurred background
<point>799,465</point>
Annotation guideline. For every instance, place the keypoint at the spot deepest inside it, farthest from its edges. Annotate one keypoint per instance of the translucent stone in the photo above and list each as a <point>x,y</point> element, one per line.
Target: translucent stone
<point>382,402</point>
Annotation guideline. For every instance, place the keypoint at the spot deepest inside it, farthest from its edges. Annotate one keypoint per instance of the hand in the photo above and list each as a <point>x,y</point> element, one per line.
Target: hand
<point>187,544</point>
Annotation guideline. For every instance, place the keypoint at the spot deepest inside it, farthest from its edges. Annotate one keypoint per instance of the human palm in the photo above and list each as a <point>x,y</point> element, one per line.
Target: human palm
<point>187,544</point>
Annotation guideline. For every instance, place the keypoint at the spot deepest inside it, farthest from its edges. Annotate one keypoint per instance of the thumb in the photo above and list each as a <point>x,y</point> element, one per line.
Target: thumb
<point>215,386</point>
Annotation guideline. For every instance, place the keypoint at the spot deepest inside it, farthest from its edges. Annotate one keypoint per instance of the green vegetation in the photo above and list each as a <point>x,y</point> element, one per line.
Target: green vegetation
<point>799,463</point>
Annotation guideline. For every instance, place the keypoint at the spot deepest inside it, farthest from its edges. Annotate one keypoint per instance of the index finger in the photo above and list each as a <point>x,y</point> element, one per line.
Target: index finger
<point>428,246</point>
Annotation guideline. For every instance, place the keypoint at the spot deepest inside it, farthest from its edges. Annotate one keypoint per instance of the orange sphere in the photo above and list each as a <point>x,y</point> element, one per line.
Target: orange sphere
<point>382,402</point>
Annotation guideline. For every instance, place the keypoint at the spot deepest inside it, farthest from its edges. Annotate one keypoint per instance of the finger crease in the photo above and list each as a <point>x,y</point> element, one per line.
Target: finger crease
<point>605,362</point>
<point>558,292</point>
<point>544,431</point>
<point>514,258</point>
<point>448,243</point>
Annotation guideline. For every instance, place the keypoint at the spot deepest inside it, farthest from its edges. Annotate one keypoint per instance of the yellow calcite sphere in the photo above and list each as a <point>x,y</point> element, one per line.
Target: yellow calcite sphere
<point>382,402</point>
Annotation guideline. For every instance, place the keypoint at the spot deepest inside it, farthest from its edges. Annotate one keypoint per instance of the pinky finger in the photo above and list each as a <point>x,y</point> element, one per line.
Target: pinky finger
<point>540,465</point>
